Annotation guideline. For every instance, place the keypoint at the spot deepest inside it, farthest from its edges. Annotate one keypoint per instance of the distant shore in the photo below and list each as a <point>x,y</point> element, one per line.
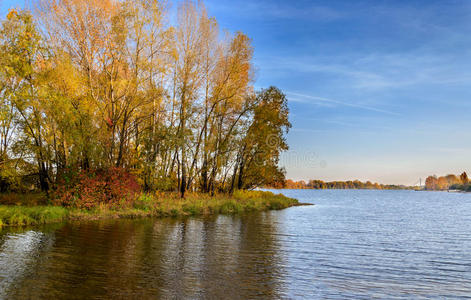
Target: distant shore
<point>343,185</point>
<point>338,188</point>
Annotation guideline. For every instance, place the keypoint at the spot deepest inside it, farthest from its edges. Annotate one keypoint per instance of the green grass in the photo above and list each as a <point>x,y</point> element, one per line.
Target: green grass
<point>23,215</point>
<point>146,205</point>
<point>203,204</point>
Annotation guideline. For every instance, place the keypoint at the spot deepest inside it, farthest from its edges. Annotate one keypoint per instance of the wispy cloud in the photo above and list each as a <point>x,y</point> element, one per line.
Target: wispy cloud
<point>376,71</point>
<point>282,10</point>
<point>388,77</point>
<point>322,101</point>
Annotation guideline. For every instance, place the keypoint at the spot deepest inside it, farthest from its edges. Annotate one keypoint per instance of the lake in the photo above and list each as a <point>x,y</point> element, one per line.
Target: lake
<point>352,244</point>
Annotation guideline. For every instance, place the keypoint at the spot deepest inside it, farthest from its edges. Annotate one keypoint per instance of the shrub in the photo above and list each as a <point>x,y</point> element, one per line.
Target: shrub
<point>113,188</point>
<point>30,199</point>
<point>144,202</point>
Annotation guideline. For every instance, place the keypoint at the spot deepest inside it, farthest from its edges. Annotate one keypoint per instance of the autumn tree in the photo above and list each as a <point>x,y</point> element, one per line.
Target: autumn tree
<point>431,183</point>
<point>464,178</point>
<point>442,183</point>
<point>452,179</point>
<point>111,84</point>
<point>188,79</point>
<point>7,114</point>
<point>24,56</point>
<point>264,141</point>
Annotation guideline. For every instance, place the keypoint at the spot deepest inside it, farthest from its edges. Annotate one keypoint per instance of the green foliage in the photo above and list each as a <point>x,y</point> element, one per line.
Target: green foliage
<point>147,205</point>
<point>106,99</point>
<point>461,187</point>
<point>108,85</point>
<point>144,202</point>
<point>230,207</point>
<point>21,215</point>
<point>264,141</point>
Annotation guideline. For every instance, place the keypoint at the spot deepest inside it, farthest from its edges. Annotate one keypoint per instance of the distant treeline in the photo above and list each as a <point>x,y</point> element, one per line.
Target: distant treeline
<point>321,185</point>
<point>448,182</point>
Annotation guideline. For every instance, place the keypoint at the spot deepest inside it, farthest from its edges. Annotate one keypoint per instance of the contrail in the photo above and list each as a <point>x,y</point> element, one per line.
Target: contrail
<point>343,103</point>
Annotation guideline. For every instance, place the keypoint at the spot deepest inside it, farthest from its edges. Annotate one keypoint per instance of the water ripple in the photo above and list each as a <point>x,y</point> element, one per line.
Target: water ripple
<point>350,245</point>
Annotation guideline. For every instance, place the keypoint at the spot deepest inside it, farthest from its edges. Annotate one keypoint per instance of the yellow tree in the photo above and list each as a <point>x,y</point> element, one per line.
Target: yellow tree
<point>231,103</point>
<point>188,80</point>
<point>431,183</point>
<point>7,115</point>
<point>452,179</point>
<point>115,47</point>
<point>442,183</point>
<point>23,53</point>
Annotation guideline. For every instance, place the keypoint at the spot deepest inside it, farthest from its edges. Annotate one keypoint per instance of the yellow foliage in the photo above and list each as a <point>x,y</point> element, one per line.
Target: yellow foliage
<point>12,13</point>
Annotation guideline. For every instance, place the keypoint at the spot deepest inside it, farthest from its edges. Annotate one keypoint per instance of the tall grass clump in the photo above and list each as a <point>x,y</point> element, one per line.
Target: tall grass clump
<point>264,200</point>
<point>159,204</point>
<point>21,215</point>
<point>195,204</point>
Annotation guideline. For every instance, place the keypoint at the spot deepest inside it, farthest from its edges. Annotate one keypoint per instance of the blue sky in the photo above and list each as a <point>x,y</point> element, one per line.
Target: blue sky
<point>378,90</point>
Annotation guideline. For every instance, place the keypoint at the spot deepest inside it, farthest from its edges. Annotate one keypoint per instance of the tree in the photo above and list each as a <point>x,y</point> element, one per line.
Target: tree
<point>431,183</point>
<point>452,179</point>
<point>109,84</point>
<point>188,42</point>
<point>7,118</point>
<point>23,61</point>
<point>265,139</point>
<point>464,178</point>
<point>442,183</point>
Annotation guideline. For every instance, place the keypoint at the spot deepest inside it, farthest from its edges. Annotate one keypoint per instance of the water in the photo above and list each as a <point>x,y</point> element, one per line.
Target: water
<point>351,244</point>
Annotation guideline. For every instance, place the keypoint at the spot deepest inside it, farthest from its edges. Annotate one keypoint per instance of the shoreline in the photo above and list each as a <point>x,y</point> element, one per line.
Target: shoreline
<point>447,191</point>
<point>150,207</point>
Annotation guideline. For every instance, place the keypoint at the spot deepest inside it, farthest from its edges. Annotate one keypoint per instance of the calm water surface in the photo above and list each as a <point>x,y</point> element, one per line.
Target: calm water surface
<point>351,244</point>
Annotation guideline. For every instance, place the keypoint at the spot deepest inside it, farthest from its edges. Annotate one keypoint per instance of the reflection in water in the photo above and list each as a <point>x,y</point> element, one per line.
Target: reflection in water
<point>350,245</point>
<point>191,258</point>
<point>18,256</point>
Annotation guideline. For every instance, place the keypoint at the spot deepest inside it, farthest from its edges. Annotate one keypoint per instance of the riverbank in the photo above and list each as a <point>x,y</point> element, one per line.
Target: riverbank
<point>26,211</point>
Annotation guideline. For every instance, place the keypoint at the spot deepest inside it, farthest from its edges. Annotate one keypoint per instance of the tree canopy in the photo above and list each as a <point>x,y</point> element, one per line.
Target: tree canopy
<point>450,181</point>
<point>94,85</point>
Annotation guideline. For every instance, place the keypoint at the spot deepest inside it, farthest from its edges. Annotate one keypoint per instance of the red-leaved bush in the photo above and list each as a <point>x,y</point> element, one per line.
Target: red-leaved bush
<point>113,188</point>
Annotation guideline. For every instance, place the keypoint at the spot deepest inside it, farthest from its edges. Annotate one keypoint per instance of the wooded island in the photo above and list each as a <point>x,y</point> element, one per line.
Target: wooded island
<point>108,104</point>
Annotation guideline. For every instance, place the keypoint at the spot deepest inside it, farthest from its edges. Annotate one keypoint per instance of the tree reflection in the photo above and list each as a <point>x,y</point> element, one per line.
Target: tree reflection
<point>217,257</point>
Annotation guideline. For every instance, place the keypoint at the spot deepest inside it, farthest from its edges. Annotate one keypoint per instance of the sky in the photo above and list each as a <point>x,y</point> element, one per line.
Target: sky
<point>377,90</point>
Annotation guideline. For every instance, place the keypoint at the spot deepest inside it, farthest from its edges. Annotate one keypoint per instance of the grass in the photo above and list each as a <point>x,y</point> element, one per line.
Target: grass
<point>24,215</point>
<point>27,212</point>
